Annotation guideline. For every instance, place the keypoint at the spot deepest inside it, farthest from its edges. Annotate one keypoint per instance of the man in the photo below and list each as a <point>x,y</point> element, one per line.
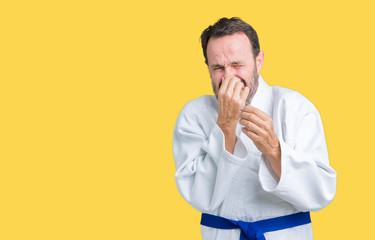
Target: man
<point>253,159</point>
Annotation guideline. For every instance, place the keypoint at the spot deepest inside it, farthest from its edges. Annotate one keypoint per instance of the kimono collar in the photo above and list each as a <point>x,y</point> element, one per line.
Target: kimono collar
<point>261,97</point>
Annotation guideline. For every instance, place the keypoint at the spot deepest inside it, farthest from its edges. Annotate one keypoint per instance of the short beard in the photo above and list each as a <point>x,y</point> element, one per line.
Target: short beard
<point>253,88</point>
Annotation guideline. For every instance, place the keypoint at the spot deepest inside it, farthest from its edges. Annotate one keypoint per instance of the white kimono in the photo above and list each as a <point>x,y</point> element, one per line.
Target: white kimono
<point>242,185</point>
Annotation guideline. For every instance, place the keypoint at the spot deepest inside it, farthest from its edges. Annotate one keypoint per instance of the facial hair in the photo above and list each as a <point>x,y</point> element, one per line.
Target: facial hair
<point>253,88</point>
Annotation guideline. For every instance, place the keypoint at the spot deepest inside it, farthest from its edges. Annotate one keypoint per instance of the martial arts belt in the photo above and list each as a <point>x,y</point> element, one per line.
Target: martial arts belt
<point>256,230</point>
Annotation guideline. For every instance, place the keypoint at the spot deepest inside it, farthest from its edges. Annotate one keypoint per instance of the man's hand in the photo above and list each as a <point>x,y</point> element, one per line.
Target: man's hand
<point>231,101</point>
<point>258,126</point>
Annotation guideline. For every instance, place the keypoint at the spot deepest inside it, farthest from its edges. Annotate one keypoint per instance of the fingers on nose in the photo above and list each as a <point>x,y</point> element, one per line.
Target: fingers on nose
<point>237,89</point>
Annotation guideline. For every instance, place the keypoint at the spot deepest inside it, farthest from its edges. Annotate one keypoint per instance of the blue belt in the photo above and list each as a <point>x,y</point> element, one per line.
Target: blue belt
<point>256,230</point>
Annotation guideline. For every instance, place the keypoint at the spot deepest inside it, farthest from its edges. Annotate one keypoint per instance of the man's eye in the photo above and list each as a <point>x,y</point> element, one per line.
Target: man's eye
<point>218,68</point>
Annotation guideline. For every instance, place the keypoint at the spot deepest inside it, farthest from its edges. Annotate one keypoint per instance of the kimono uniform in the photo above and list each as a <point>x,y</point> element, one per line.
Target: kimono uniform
<point>242,186</point>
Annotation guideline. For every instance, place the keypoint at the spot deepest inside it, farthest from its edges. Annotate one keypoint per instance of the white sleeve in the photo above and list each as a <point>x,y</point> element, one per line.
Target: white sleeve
<point>204,168</point>
<point>307,180</point>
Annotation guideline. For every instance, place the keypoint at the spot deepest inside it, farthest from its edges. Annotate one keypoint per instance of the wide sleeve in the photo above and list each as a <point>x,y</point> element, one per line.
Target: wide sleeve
<point>307,180</point>
<point>204,169</point>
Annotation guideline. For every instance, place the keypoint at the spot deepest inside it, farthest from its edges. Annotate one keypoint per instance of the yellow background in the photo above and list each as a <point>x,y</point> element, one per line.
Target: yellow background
<point>90,91</point>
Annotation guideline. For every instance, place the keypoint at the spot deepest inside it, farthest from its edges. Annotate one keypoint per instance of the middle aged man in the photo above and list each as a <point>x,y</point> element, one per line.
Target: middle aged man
<point>253,159</point>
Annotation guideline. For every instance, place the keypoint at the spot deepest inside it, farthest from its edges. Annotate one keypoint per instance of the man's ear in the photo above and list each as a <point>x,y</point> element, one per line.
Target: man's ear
<point>259,60</point>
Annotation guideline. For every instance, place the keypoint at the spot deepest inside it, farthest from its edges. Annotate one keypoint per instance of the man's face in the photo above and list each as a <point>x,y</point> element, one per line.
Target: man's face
<point>232,55</point>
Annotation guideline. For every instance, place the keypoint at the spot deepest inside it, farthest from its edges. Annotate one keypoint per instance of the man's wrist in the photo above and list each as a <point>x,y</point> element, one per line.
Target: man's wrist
<point>274,158</point>
<point>275,154</point>
<point>227,128</point>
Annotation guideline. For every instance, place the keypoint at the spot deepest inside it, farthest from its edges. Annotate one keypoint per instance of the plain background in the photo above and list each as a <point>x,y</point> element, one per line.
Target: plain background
<point>90,92</point>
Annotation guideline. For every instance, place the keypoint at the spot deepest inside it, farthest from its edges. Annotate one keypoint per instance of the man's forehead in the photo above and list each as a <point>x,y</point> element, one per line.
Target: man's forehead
<point>229,41</point>
<point>231,48</point>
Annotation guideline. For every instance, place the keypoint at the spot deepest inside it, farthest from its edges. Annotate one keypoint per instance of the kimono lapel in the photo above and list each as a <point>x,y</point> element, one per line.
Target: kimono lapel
<point>262,96</point>
<point>262,100</point>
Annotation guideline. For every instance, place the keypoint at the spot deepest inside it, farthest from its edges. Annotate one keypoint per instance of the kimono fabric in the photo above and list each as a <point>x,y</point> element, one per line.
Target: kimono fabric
<point>242,186</point>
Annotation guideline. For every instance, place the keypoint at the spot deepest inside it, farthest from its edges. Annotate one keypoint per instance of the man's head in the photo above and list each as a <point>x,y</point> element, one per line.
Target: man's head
<point>231,48</point>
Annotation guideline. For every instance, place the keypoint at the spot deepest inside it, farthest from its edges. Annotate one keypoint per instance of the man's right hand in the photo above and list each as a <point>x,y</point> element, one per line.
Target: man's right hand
<point>231,97</point>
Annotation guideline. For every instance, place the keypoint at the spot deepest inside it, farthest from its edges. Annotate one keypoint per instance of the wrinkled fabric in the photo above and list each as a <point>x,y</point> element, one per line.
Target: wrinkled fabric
<point>242,186</point>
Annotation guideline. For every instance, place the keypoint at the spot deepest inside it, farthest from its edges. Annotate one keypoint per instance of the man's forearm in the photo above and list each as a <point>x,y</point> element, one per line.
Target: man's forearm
<point>274,158</point>
<point>230,137</point>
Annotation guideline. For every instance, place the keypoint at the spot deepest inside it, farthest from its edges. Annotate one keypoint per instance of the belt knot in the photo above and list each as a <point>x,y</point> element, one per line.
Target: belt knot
<point>249,231</point>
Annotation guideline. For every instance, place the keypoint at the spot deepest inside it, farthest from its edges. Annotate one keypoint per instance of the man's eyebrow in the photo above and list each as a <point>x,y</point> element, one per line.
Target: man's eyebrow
<point>236,63</point>
<point>216,65</point>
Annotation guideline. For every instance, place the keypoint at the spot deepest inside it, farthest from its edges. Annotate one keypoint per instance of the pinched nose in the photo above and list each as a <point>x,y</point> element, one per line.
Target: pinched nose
<point>243,81</point>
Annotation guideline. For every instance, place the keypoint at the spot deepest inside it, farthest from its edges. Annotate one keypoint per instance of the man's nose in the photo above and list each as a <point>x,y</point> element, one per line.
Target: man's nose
<point>229,71</point>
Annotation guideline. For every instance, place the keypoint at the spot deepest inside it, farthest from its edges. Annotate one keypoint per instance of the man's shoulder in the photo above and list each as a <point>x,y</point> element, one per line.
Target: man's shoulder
<point>291,99</point>
<point>199,113</point>
<point>206,103</point>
